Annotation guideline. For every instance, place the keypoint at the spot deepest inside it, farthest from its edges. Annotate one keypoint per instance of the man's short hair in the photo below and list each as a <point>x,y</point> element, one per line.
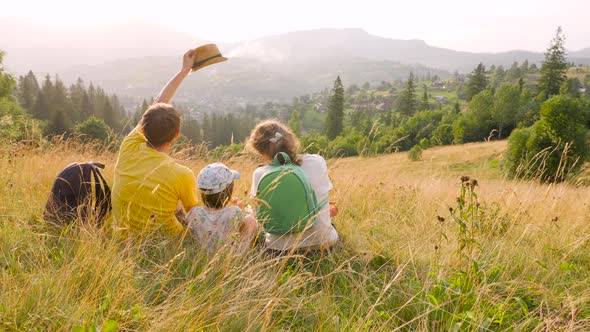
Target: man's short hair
<point>160,124</point>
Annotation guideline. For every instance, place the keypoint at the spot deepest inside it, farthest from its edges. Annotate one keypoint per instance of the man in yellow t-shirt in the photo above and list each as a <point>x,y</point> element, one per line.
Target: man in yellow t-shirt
<point>148,183</point>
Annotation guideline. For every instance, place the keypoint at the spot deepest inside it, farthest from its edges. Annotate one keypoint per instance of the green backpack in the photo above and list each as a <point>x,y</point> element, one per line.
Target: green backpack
<point>287,201</point>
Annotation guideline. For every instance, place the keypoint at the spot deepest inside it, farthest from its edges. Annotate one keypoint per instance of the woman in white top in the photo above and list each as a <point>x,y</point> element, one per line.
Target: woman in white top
<point>271,137</point>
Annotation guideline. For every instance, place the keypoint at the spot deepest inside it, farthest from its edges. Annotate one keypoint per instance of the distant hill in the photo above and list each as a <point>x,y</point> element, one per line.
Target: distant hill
<point>241,80</point>
<point>585,53</point>
<point>357,43</point>
<point>136,59</point>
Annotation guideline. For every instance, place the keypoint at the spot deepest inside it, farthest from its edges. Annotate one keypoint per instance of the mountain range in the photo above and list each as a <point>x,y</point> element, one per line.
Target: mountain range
<point>136,58</point>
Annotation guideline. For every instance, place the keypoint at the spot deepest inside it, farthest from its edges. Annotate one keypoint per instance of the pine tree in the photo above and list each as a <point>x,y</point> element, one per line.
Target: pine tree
<point>108,113</point>
<point>335,117</point>
<point>86,107</point>
<point>554,68</point>
<point>425,105</point>
<point>217,125</point>
<point>92,97</point>
<point>43,101</point>
<point>521,84</point>
<point>77,92</point>
<point>571,87</point>
<point>477,81</point>
<point>139,112</point>
<point>207,129</point>
<point>408,97</point>
<point>57,123</point>
<point>119,110</point>
<point>144,106</point>
<point>524,68</point>
<point>295,124</point>
<point>61,101</point>
<point>27,91</point>
<point>514,72</point>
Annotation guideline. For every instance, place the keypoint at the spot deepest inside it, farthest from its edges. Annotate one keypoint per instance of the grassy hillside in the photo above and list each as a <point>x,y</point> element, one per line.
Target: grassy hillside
<point>516,257</point>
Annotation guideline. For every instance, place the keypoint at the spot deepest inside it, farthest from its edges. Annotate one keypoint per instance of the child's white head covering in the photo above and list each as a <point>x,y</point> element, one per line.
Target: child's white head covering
<point>215,178</point>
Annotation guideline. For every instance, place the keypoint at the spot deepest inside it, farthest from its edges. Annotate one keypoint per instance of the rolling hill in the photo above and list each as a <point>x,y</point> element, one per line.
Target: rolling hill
<point>136,58</point>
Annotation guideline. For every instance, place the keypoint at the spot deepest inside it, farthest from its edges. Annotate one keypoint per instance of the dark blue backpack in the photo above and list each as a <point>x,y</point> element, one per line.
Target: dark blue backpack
<point>78,192</point>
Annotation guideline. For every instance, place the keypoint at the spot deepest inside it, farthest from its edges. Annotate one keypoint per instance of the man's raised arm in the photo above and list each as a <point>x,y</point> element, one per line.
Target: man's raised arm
<point>170,88</point>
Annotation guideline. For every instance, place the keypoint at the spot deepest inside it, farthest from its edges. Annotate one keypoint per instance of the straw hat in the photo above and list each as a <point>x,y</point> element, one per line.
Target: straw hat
<point>207,55</point>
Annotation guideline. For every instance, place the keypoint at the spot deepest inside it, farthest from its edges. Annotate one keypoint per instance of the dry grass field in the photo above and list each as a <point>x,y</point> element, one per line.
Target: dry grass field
<point>417,254</point>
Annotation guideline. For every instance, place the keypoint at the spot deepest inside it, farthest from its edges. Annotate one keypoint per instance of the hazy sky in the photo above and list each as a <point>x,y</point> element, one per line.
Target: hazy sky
<point>470,25</point>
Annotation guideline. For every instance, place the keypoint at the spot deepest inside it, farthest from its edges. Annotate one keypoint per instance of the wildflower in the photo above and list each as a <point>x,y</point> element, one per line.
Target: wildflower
<point>473,183</point>
<point>464,178</point>
<point>450,209</point>
<point>441,219</point>
<point>435,247</point>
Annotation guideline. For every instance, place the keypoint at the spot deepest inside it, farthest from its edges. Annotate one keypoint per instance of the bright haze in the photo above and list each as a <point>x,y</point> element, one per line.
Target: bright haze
<point>463,25</point>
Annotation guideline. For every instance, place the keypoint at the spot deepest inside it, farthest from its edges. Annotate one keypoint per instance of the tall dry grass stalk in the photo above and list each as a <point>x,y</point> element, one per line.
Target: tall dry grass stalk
<point>397,268</point>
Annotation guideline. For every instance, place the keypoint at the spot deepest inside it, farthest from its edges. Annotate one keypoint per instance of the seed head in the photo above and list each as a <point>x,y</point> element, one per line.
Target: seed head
<point>450,209</point>
<point>473,183</point>
<point>441,219</point>
<point>464,178</point>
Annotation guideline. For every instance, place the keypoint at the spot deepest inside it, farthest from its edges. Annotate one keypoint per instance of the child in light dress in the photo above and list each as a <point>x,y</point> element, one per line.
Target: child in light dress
<point>221,221</point>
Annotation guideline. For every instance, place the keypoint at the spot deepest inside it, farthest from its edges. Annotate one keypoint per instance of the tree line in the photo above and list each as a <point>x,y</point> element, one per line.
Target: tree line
<point>551,119</point>
<point>90,113</point>
<point>394,116</point>
<point>61,108</point>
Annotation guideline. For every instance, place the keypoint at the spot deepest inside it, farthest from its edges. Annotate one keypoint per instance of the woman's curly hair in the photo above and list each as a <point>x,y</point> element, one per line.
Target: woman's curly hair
<point>270,137</point>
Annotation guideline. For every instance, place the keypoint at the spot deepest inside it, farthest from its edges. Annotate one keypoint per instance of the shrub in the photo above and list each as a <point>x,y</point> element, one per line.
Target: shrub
<point>415,153</point>
<point>15,123</point>
<point>314,143</point>
<point>554,146</point>
<point>516,152</point>
<point>443,135</point>
<point>344,146</point>
<point>93,129</point>
<point>458,130</point>
<point>424,143</point>
<point>225,152</point>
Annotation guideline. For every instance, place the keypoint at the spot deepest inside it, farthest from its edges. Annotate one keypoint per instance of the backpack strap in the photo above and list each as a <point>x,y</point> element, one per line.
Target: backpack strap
<point>312,201</point>
<point>102,191</point>
<point>276,162</point>
<point>99,165</point>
